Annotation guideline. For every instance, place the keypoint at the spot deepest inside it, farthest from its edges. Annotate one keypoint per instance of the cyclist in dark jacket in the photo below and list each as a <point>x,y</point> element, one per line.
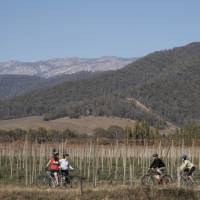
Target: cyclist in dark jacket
<point>157,162</point>
<point>158,165</point>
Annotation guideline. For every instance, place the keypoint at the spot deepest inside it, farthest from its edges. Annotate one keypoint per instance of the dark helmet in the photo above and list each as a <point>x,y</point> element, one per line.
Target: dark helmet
<point>65,155</point>
<point>155,155</point>
<point>55,152</point>
<point>184,157</point>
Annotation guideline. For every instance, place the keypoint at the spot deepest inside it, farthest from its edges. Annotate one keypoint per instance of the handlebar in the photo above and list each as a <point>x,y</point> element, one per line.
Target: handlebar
<point>151,170</point>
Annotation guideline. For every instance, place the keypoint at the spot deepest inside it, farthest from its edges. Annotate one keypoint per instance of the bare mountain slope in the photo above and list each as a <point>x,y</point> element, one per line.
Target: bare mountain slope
<point>62,66</point>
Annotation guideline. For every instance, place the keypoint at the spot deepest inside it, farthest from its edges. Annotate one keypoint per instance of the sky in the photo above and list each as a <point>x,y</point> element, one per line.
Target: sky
<point>43,29</point>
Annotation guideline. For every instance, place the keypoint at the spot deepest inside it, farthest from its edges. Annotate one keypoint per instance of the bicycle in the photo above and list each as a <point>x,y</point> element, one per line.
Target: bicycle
<point>185,180</point>
<point>64,181</point>
<point>46,179</point>
<point>71,181</point>
<point>149,179</point>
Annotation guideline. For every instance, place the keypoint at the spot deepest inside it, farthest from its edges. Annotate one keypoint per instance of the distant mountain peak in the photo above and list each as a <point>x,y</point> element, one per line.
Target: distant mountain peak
<point>60,66</point>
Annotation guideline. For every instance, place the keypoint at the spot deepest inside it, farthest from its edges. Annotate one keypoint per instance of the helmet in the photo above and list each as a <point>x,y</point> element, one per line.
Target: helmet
<point>184,157</point>
<point>55,152</point>
<point>155,155</point>
<point>65,155</point>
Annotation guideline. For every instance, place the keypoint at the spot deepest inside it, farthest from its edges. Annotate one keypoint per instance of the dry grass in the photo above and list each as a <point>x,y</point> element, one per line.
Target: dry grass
<point>117,192</point>
<point>82,125</point>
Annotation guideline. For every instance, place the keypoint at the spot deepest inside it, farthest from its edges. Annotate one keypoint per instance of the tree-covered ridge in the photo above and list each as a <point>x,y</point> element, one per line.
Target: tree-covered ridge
<point>14,85</point>
<point>176,94</point>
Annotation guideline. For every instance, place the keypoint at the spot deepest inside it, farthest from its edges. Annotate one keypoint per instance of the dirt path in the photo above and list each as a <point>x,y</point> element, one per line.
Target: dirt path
<point>171,128</point>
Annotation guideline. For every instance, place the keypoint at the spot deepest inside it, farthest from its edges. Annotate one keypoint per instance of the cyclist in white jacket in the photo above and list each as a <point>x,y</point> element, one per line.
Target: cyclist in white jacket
<point>65,166</point>
<point>187,166</point>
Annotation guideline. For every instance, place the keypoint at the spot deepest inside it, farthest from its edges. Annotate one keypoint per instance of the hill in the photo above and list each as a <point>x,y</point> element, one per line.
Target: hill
<point>14,85</point>
<point>83,125</point>
<point>166,81</point>
<point>176,94</point>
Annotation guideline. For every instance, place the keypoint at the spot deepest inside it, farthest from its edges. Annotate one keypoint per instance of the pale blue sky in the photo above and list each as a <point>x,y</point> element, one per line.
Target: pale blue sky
<point>42,29</point>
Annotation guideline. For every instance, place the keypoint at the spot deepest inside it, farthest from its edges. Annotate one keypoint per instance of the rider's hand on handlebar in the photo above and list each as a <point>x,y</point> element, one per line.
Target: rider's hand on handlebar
<point>46,169</point>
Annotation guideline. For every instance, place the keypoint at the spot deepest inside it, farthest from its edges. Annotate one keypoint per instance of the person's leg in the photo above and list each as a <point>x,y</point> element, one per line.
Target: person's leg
<point>64,174</point>
<point>190,174</point>
<point>158,177</point>
<point>67,176</point>
<point>56,177</point>
<point>186,173</point>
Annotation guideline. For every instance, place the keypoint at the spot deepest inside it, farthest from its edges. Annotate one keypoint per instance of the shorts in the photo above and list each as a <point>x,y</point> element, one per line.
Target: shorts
<point>161,170</point>
<point>53,172</point>
<point>65,172</point>
<point>190,171</point>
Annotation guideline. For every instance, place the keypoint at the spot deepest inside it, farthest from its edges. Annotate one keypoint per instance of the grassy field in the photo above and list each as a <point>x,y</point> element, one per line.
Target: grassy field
<point>81,125</point>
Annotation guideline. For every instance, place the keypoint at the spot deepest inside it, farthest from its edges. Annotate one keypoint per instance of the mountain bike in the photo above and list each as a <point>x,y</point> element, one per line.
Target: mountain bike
<point>69,181</point>
<point>149,179</point>
<point>185,180</point>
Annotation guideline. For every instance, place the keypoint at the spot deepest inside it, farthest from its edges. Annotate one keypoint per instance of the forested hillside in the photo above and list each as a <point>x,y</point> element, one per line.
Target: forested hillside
<point>11,85</point>
<point>167,81</point>
<point>14,85</point>
<point>176,94</point>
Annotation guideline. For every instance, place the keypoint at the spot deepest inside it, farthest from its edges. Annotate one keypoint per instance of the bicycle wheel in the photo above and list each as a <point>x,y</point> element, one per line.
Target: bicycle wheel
<point>62,181</point>
<point>50,181</point>
<point>166,179</point>
<point>186,182</point>
<point>147,180</point>
<point>42,181</point>
<point>75,182</point>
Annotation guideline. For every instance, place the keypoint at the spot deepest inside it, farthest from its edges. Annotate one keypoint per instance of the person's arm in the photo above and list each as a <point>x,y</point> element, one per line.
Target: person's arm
<point>183,166</point>
<point>162,163</point>
<point>69,166</point>
<point>152,164</point>
<point>48,164</point>
<point>57,162</point>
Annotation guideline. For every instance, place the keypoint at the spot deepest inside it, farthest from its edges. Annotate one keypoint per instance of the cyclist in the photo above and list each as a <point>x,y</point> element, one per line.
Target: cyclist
<point>159,166</point>
<point>54,166</point>
<point>65,166</point>
<point>187,166</point>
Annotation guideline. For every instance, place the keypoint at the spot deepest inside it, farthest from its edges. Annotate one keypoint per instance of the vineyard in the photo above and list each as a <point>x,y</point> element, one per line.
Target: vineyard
<point>115,163</point>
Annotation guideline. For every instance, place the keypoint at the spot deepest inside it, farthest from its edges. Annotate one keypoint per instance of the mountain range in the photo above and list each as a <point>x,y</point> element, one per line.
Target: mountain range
<point>61,66</point>
<point>167,82</point>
